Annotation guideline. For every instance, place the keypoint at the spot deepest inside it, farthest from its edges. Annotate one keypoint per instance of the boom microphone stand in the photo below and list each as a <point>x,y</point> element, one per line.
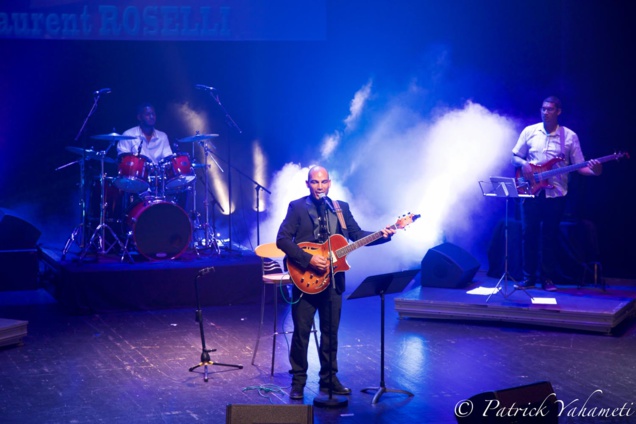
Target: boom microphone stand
<point>330,401</point>
<point>205,352</point>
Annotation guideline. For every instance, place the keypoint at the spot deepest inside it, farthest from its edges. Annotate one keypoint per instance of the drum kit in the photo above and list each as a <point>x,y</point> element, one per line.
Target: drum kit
<point>142,203</point>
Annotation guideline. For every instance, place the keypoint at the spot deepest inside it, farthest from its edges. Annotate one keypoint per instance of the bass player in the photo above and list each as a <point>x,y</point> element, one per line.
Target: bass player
<point>541,215</point>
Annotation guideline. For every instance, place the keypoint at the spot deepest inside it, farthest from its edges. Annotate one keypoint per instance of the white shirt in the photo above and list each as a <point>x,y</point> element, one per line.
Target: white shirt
<point>156,149</point>
<point>537,147</point>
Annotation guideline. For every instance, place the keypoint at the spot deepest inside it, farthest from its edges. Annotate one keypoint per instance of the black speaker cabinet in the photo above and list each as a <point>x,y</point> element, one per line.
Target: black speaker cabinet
<point>535,403</point>
<point>448,266</point>
<point>15,233</point>
<point>269,414</point>
<point>19,270</point>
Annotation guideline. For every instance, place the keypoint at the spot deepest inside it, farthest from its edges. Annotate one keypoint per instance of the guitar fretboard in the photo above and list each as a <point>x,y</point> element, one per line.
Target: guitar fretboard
<point>556,171</point>
<point>344,251</point>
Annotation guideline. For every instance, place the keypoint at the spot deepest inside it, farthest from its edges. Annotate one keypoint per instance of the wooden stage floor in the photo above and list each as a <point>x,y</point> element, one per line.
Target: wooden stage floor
<point>126,365</point>
<point>133,366</point>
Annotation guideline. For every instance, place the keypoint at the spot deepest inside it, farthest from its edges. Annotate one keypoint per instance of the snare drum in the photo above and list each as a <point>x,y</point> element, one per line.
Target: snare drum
<point>178,171</point>
<point>132,175</point>
<point>161,229</point>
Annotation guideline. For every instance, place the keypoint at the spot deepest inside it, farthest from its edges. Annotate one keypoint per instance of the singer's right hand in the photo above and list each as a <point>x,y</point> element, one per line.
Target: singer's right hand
<point>319,263</point>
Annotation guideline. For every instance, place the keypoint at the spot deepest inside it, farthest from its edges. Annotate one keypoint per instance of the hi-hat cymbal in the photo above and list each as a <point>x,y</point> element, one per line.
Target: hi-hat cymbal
<point>197,137</point>
<point>112,137</point>
<point>90,154</point>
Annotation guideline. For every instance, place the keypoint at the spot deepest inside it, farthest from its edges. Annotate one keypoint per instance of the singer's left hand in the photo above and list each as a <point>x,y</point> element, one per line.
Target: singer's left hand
<point>388,231</point>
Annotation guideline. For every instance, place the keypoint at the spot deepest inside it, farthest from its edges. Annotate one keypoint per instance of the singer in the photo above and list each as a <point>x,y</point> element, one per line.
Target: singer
<point>149,142</point>
<point>314,218</point>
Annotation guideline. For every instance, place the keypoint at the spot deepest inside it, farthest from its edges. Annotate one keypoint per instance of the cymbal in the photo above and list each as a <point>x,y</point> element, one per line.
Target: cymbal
<point>112,137</point>
<point>197,137</point>
<point>90,154</point>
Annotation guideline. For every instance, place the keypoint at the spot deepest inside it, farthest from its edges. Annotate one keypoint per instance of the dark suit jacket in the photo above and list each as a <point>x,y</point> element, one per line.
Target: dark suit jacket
<point>300,225</point>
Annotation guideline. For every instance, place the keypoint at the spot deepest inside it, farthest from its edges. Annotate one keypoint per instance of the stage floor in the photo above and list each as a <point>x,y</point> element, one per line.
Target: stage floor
<point>586,308</point>
<point>132,366</point>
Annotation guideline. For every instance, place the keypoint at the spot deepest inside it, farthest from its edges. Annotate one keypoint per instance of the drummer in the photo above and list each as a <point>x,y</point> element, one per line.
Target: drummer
<point>148,141</point>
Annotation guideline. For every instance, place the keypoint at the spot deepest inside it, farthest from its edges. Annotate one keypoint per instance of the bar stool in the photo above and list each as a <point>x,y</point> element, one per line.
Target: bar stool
<point>273,276</point>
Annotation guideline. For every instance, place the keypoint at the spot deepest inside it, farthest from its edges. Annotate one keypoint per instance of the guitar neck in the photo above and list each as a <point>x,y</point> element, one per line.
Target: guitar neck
<point>344,251</point>
<point>570,168</point>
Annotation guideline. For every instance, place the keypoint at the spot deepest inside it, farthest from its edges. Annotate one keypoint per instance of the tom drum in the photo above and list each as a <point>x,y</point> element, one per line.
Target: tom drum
<point>132,174</point>
<point>178,171</point>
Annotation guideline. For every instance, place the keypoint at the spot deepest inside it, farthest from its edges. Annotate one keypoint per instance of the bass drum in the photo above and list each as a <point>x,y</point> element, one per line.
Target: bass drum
<point>161,230</point>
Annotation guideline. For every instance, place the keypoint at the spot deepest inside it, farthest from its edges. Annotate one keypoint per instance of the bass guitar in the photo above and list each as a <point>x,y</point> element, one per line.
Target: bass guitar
<point>541,173</point>
<point>311,281</point>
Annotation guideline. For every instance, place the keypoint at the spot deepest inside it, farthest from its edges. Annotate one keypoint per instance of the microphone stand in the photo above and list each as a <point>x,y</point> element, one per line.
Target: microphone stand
<point>258,189</point>
<point>230,123</point>
<point>205,352</point>
<point>80,229</point>
<point>330,401</point>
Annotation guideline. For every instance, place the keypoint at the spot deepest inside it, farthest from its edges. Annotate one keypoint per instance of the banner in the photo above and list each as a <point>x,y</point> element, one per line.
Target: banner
<point>160,20</point>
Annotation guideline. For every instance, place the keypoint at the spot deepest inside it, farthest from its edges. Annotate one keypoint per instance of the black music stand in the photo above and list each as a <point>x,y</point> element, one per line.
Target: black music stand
<point>205,352</point>
<point>380,285</point>
<point>505,187</point>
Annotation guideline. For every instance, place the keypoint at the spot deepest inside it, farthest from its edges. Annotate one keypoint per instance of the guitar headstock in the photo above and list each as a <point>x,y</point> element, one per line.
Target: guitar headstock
<point>406,220</point>
<point>621,154</point>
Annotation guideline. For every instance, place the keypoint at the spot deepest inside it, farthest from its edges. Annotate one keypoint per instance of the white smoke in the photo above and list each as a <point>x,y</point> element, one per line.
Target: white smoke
<point>408,163</point>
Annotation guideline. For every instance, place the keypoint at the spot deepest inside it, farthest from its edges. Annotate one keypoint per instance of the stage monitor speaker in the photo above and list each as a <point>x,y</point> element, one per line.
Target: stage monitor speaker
<point>448,266</point>
<point>535,403</point>
<point>269,414</point>
<point>16,234</point>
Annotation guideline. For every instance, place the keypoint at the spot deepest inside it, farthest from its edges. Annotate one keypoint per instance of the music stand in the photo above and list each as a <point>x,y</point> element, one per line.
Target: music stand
<point>505,187</point>
<point>380,285</point>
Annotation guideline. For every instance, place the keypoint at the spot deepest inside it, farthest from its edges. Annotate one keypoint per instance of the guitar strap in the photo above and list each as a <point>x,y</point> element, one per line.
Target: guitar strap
<point>336,206</point>
<point>562,139</point>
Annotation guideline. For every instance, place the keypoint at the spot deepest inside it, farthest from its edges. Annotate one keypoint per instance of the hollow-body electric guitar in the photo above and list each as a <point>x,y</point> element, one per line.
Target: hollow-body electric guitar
<point>311,281</point>
<point>541,173</point>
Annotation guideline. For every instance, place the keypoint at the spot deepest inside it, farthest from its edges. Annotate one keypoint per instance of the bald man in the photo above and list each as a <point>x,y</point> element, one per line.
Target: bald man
<point>313,219</point>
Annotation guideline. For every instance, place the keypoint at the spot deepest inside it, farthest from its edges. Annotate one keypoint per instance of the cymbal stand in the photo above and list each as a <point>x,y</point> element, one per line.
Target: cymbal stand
<point>99,235</point>
<point>78,234</point>
<point>231,124</point>
<point>209,238</point>
<point>194,215</point>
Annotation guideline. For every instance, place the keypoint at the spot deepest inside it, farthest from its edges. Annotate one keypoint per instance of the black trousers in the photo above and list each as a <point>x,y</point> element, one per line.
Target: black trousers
<point>303,313</point>
<point>540,219</point>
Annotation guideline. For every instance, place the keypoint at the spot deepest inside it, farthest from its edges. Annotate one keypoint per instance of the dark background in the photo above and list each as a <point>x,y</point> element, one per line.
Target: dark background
<point>506,56</point>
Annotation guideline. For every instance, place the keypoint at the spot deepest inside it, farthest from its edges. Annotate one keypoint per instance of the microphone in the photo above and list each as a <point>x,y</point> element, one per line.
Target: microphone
<point>326,201</point>
<point>205,271</point>
<point>102,91</point>
<point>141,142</point>
<point>204,87</point>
